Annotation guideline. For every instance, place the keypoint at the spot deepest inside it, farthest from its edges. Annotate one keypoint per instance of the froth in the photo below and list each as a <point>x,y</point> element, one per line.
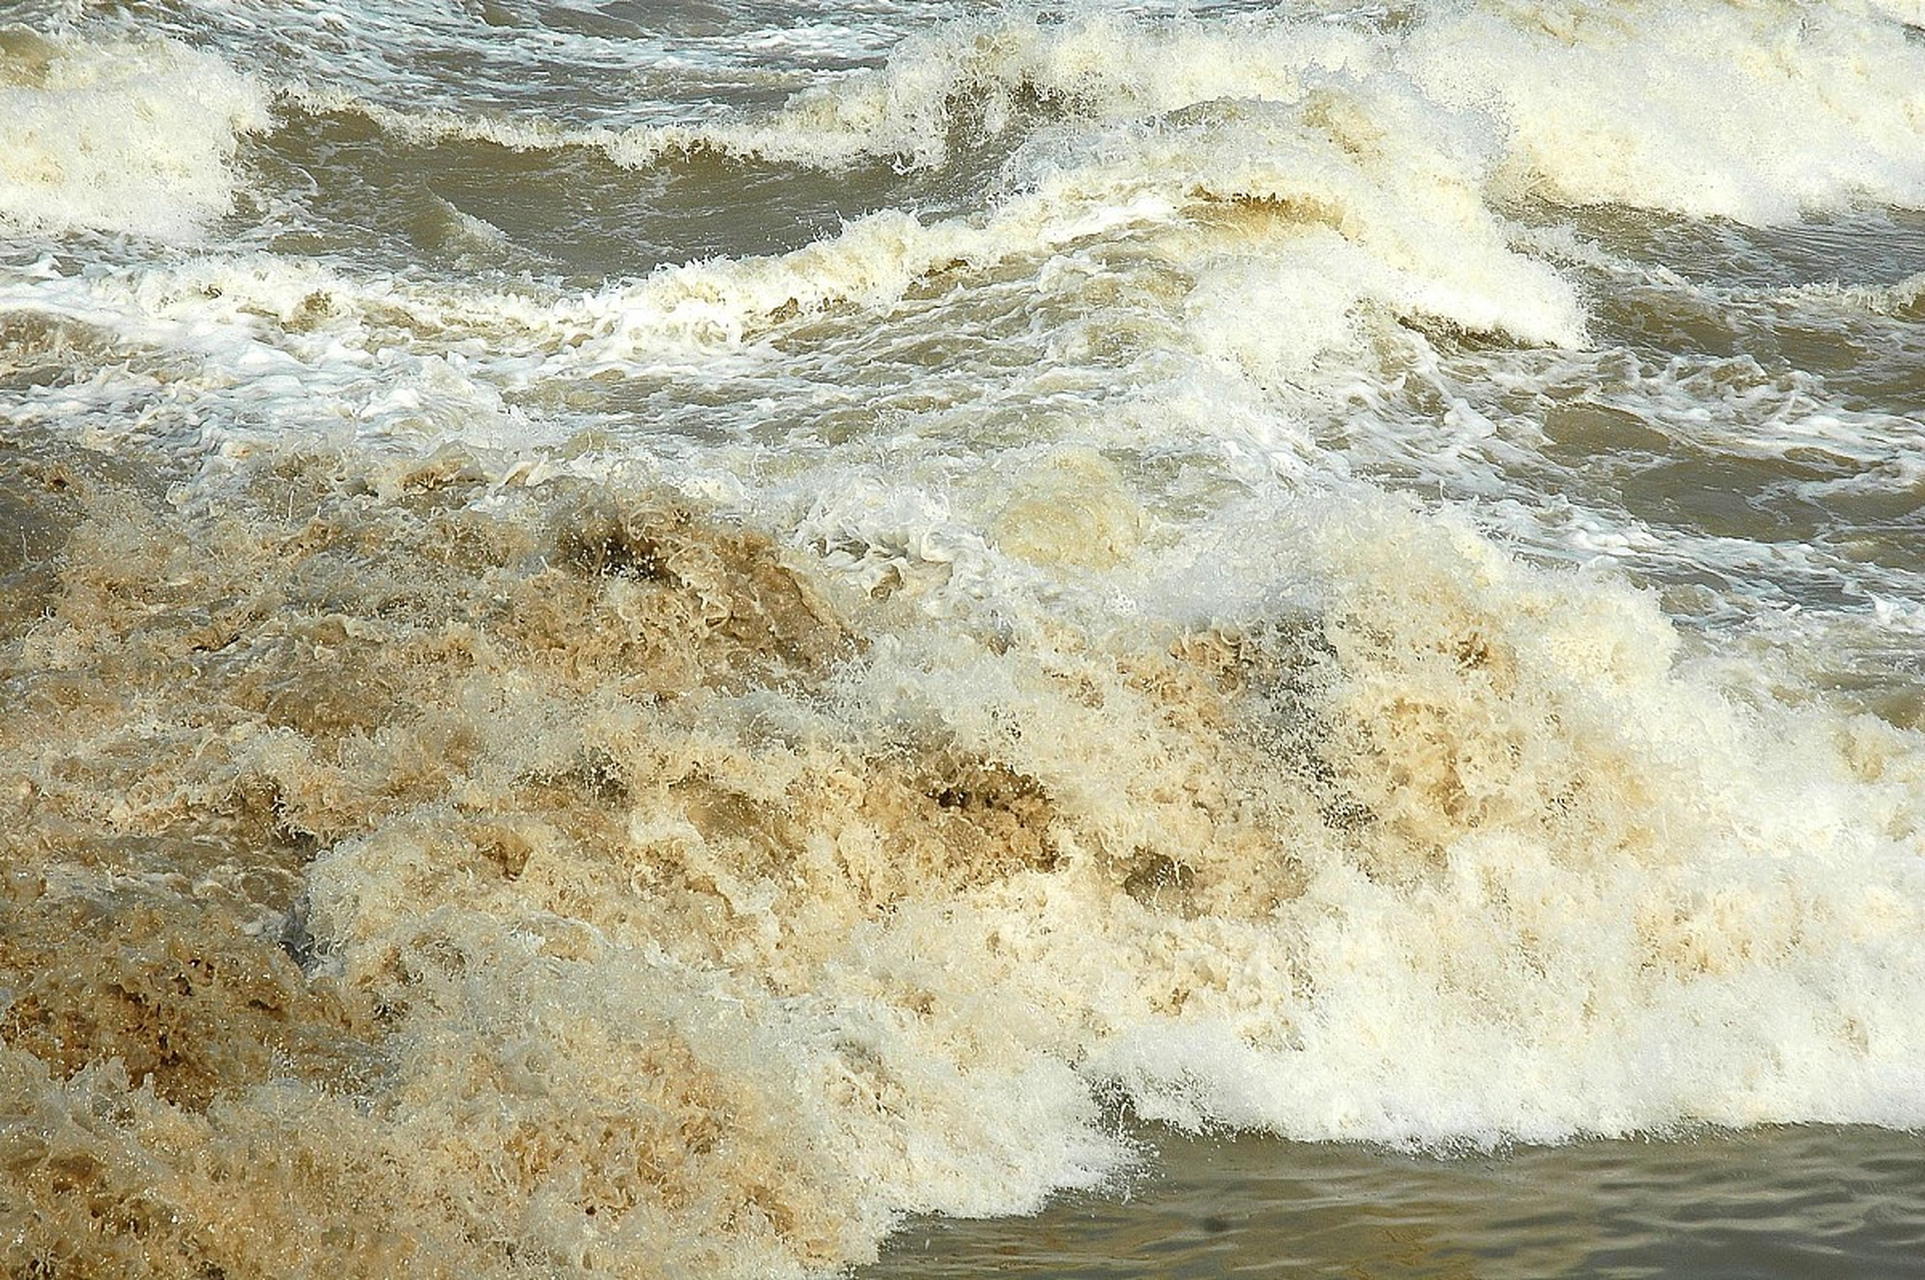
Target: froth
<point>131,136</point>
<point>1754,112</point>
<point>437,844</point>
<point>664,906</point>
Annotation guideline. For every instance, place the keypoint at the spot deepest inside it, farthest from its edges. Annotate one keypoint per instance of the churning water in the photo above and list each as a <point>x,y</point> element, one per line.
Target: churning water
<point>710,638</point>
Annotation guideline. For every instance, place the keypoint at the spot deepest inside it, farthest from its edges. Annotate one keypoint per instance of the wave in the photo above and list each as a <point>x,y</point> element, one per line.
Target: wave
<point>1255,201</point>
<point>1757,112</point>
<point>129,135</point>
<point>680,775</point>
<point>495,875</point>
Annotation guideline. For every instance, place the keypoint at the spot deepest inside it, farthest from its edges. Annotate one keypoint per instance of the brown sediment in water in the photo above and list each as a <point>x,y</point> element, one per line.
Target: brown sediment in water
<point>201,700</point>
<point>407,873</point>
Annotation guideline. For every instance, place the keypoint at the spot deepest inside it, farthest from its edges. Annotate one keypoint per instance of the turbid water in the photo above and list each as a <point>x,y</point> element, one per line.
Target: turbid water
<point>758,640</point>
<point>1756,1202</point>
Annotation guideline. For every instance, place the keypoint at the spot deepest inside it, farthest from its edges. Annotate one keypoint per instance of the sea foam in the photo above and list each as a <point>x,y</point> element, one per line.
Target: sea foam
<point>126,135</point>
<point>677,774</point>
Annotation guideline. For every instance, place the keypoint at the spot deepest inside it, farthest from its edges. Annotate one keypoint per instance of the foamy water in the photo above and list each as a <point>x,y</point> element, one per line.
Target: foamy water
<point>645,640</point>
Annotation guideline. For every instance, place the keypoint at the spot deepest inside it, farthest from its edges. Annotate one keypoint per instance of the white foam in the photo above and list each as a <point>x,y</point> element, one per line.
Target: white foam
<point>234,354</point>
<point>1344,823</point>
<point>1718,922</point>
<point>127,135</point>
<point>1757,112</point>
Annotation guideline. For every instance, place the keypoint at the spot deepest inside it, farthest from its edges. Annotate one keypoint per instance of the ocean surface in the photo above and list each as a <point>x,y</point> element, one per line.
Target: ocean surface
<point>903,637</point>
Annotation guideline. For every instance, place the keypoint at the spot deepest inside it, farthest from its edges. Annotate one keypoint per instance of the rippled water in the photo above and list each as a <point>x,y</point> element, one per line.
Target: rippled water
<point>1765,1202</point>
